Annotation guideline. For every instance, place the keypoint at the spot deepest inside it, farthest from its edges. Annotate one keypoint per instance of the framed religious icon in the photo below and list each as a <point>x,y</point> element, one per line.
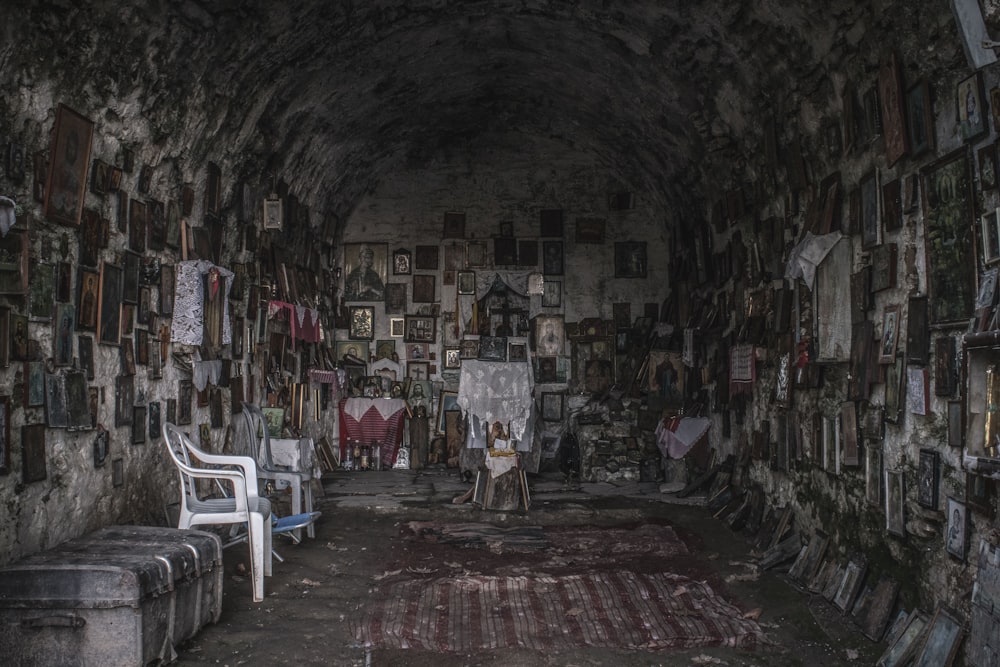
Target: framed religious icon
<point>971,108</point>
<point>890,88</point>
<point>131,266</point>
<point>949,210</point>
<point>454,225</point>
<point>870,227</point>
<point>173,223</point>
<point>109,304</point>
<point>475,254</point>
<point>365,271</point>
<point>892,205</point>
<point>418,370</point>
<point>86,301</point>
<point>385,349</point>
<point>362,323</point>
<point>517,350</point>
<point>989,228</point>
<point>493,348</point>
<point>920,118</point>
<point>20,340</point>
<point>41,294</point>
<point>552,258</point>
<point>185,393</point>
<point>552,294</point>
<point>890,334</point>
<point>34,380</point>
<point>427,258</point>
<point>420,329</point>
<point>137,227</point>
<point>630,259</point>
<point>552,406</point>
<point>447,402</point>
<point>527,252</point>
<point>138,424</point>
<point>895,379</point>
<point>873,474</point>
<point>397,327</point>
<point>33,459</point>
<point>469,349</point>
<point>980,494</point>
<point>352,350</point>
<point>452,357</point>
<point>546,370</point>
<point>466,282</point>
<point>4,435</point>
<point>62,339</point>
<point>423,288</point>
<point>402,262</point>
<point>955,424</point>
<point>549,335</point>
<point>69,157</point>
<point>90,238</point>
<point>273,213</point>
<point>895,499</point>
<point>395,298</point>
<point>927,478</point>
<point>14,262</point>
<point>956,533</point>
<point>987,157</point>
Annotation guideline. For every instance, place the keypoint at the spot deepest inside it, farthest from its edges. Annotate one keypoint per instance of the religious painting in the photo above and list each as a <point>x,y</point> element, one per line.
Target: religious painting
<point>598,375</point>
<point>892,205</point>
<point>989,228</point>
<point>124,400</point>
<point>890,87</point>
<point>920,117</point>
<point>90,237</point>
<point>504,251</point>
<point>69,158</point>
<point>62,340</point>
<point>666,375</point>
<point>630,259</point>
<point>365,271</point>
<point>395,298</point>
<point>423,288</point>
<point>873,475</point>
<point>14,262</point>
<point>42,290</point>
<point>397,327</point>
<point>452,357</point>
<point>33,453</point>
<point>552,406</point>
<point>890,334</point>
<point>955,425</point>
<point>475,254</point>
<point>274,215</point>
<point>549,335</point>
<point>895,499</point>
<point>154,420</point>
<point>945,357</point>
<point>552,258</point>
<point>927,478</point>
<point>137,227</point>
<point>109,304</point>
<point>546,369</point>
<point>527,252</point>
<point>185,391</point>
<point>969,101</point>
<point>138,424</point>
<point>34,379</point>
<point>552,294</point>
<point>895,378</point>
<point>156,223</point>
<point>948,216</point>
<point>426,258</point>
<point>173,225</point>
<point>493,348</point>
<point>956,533</point>
<point>590,230</point>
<point>19,339</point>
<point>454,225</point>
<point>917,331</point>
<point>870,228</point>
<point>419,329</point>
<point>517,350</point>
<point>56,408</point>
<point>4,435</point>
<point>469,349</point>
<point>466,282</point>
<point>362,323</point>
<point>356,350</point>
<point>987,156</point>
<point>418,370</point>
<point>385,349</point>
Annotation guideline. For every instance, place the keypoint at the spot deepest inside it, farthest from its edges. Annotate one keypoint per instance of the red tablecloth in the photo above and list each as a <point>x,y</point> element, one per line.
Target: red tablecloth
<point>381,420</point>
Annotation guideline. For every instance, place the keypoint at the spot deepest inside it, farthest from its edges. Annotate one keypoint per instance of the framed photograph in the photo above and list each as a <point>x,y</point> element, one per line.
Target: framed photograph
<point>920,118</point>
<point>493,348</point>
<point>504,251</point>
<point>552,294</point>
<point>185,394</point>
<point>362,323</point>
<point>630,259</point>
<point>419,371</point>
<point>469,349</point>
<point>989,228</point>
<point>397,327</point>
<point>423,288</point>
<point>14,262</point>
<point>969,101</point>
<point>590,230</point>
<point>273,213</point>
<point>466,282</point>
<point>447,402</point>
<point>452,357</point>
<point>33,460</point>
<point>927,478</point>
<point>890,334</point>
<point>552,258</point>
<point>109,304</point>
<point>873,475</point>
<point>355,349</point>
<point>549,335</point>
<point>895,499</point>
<point>956,534</point>
<point>454,225</point>
<point>427,257</point>
<point>949,210</point>
<point>395,298</point>
<point>517,350</point>
<point>4,435</point>
<point>987,156</point>
<point>69,157</point>
<point>890,88</point>
<point>420,329</point>
<point>365,271</point>
<point>552,406</point>
<point>475,254</point>
<point>870,223</point>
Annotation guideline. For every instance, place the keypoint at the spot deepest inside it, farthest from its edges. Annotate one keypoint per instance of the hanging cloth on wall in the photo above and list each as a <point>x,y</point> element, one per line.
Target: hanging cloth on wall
<point>303,322</point>
<point>200,287</point>
<point>742,370</point>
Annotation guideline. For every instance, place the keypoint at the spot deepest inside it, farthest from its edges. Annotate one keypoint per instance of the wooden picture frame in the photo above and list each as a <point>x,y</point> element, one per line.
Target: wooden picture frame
<point>185,394</point>
<point>86,300</point>
<point>452,357</point>
<point>549,335</point>
<point>274,215</point>
<point>949,209</point>
<point>517,350</point>
<point>906,644</point>
<point>69,158</point>
<point>850,434</point>
<point>956,424</point>
<point>62,336</point>
<point>41,291</point>
<point>552,406</point>
<point>892,205</point>
<point>423,288</point>
<point>928,478</point>
<point>868,190</point>
<point>109,304</point>
<point>469,348</point>
<point>989,228</point>
<point>956,535</point>
<point>454,225</point>
<point>137,228</point>
<point>873,475</point>
<point>14,262</point>
<point>5,443</point>
<point>447,402</point>
<point>419,371</point>
<point>920,118</point>
<point>34,380</point>
<point>138,424</point>
<point>493,348</point>
<point>917,330</point>
<point>354,349</point>
<point>890,86</point>
<point>397,327</point>
<point>33,459</point>
<point>420,329</point>
<point>365,271</point>
<point>630,259</point>
<point>124,400</point>
<point>895,503</point>
<point>945,360</point>
<point>890,334</point>
<point>971,107</point>
<point>466,282</point>
<point>362,323</point>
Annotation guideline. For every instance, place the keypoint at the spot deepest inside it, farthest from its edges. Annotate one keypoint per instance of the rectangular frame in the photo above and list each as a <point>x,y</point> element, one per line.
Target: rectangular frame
<point>365,271</point>
<point>109,305</point>
<point>890,334</point>
<point>989,232</point>
<point>466,282</point>
<point>552,406</point>
<point>420,329</point>
<point>447,402</point>
<point>69,158</point>
<point>493,348</point>
<point>956,536</point>
<point>552,258</point>
<point>362,323</point>
<point>14,269</point>
<point>395,298</point>
<point>928,478</point>
<point>4,435</point>
<point>552,294</point>
<point>549,335</point>
<point>871,228</point>
<point>920,118</point>
<point>895,500</point>
<point>423,288</point>
<point>943,637</point>
<point>33,459</point>
<point>971,107</point>
<point>630,259</point>
<point>86,300</point>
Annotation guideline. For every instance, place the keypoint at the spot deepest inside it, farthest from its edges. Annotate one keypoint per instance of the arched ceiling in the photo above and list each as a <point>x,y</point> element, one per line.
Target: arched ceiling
<point>331,96</point>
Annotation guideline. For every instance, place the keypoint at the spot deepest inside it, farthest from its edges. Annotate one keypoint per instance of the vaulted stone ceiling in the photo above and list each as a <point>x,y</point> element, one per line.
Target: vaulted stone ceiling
<point>331,96</point>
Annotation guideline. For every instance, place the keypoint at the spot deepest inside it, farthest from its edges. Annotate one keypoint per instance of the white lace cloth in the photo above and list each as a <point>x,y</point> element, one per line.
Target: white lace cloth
<point>497,391</point>
<point>188,323</point>
<point>387,407</point>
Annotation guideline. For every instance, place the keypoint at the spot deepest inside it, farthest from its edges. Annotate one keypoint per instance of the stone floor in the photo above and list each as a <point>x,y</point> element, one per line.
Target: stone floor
<point>321,590</point>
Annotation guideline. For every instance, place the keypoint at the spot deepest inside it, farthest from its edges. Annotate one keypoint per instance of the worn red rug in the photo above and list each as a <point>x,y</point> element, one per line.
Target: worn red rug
<point>617,609</point>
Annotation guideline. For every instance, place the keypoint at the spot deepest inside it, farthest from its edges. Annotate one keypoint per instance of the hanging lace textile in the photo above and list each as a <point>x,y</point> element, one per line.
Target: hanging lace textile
<point>201,287</point>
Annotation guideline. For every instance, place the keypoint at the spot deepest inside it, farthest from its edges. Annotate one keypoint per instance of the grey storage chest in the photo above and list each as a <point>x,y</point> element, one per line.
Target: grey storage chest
<point>123,595</point>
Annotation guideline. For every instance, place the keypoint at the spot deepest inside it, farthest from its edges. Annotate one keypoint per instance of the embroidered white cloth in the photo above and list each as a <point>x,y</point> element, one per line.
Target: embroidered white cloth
<point>188,323</point>
<point>497,391</point>
<point>387,407</point>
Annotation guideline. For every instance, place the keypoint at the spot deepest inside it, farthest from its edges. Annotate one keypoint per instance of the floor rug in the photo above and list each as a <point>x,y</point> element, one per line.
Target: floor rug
<point>618,609</point>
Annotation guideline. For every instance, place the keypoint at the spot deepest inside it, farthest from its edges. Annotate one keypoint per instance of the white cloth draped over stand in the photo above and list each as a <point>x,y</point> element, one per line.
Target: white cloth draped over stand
<point>496,391</point>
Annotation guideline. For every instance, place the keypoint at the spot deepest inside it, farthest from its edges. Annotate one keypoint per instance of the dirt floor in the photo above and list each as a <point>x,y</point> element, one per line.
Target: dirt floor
<point>365,540</point>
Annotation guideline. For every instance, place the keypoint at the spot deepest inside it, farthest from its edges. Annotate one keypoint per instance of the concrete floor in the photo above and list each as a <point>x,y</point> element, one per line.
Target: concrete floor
<point>325,583</point>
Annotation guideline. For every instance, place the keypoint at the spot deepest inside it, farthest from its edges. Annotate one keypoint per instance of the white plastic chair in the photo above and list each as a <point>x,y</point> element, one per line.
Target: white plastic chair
<point>242,506</point>
<point>259,448</point>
